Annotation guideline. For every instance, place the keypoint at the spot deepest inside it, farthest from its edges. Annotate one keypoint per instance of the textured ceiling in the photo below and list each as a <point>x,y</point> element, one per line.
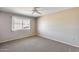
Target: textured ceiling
<point>28,10</point>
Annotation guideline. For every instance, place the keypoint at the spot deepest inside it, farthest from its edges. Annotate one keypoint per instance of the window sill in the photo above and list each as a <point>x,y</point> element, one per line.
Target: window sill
<point>21,30</point>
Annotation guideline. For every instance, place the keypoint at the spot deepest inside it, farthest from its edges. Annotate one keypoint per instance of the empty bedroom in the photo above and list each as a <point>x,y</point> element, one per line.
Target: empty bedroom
<point>39,29</point>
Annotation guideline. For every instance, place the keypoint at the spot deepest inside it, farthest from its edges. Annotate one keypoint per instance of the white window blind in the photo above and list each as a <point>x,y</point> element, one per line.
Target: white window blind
<point>20,23</point>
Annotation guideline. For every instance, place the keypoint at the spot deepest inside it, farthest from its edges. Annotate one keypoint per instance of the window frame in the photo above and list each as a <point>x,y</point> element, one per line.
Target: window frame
<point>22,24</point>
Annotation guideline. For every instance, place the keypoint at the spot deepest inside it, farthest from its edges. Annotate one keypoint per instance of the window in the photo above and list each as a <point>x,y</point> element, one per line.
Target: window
<point>20,23</point>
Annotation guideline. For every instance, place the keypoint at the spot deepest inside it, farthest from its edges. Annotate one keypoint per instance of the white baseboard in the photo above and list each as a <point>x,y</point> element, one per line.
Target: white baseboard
<point>16,38</point>
<point>55,39</point>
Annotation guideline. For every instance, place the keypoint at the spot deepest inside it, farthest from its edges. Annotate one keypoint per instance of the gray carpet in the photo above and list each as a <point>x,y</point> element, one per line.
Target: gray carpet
<point>36,44</point>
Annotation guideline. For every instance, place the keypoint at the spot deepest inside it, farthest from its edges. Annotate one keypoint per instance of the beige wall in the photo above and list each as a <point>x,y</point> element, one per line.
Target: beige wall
<point>5,28</point>
<point>62,26</point>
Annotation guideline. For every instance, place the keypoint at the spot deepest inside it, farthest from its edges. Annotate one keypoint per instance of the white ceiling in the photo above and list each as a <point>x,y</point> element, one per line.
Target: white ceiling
<point>28,10</point>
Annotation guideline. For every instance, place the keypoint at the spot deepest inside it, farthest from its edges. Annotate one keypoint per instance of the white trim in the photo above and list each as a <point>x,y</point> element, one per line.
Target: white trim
<point>56,39</point>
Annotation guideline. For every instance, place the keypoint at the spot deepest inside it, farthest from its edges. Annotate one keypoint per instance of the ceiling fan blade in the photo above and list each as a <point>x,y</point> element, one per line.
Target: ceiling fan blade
<point>33,12</point>
<point>38,12</point>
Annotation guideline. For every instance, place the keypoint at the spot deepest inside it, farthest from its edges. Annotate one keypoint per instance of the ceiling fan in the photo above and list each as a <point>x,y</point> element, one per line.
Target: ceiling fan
<point>35,10</point>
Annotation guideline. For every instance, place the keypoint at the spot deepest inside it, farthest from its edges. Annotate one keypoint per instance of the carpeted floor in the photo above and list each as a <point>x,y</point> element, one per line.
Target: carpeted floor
<point>36,44</point>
